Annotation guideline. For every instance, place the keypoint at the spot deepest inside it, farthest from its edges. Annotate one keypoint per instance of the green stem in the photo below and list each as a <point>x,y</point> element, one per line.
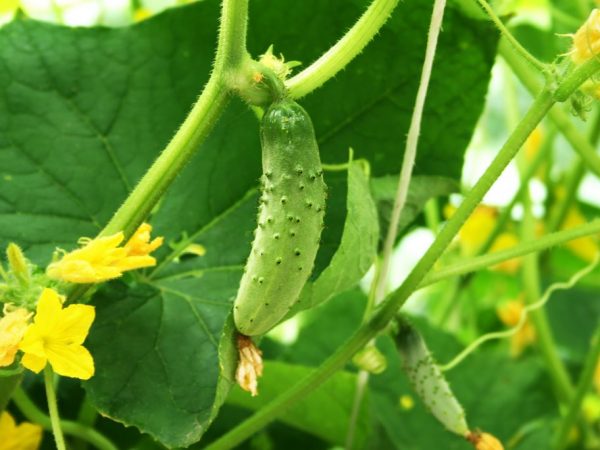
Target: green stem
<point>585,381</point>
<point>410,151</point>
<point>231,47</point>
<point>167,166</point>
<point>524,248</point>
<point>529,79</point>
<point>572,183</point>
<point>53,408</point>
<point>344,51</point>
<point>35,415</point>
<point>576,78</point>
<point>530,171</point>
<point>87,417</point>
<point>396,299</point>
<point>432,215</point>
<point>231,53</point>
<point>230,57</point>
<point>539,319</point>
<point>508,35</point>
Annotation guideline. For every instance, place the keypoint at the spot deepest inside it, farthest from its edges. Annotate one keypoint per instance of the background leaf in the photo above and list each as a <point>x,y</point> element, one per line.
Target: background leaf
<point>421,189</point>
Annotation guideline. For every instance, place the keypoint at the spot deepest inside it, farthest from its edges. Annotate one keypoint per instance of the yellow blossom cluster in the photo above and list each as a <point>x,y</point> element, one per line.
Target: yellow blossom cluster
<point>586,41</point>
<point>103,259</point>
<point>55,334</point>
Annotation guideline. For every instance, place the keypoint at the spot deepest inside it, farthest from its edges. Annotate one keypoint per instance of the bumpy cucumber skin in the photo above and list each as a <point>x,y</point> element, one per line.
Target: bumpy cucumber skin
<point>290,220</point>
<point>428,381</point>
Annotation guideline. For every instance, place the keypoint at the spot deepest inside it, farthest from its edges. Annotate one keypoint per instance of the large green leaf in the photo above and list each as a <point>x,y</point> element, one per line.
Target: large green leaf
<point>358,246</point>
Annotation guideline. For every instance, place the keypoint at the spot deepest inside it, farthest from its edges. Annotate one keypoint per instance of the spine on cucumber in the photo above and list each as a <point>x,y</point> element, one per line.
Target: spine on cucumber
<point>290,220</point>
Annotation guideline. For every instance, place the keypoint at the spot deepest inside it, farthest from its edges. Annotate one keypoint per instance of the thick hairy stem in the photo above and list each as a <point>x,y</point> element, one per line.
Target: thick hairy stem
<point>344,51</point>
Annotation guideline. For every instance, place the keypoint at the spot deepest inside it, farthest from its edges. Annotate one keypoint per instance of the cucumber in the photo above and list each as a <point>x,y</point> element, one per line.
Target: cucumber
<point>290,220</point>
<point>429,382</point>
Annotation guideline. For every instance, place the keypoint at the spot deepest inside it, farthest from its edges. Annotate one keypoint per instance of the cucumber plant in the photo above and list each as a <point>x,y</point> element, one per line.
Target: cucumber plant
<point>164,341</point>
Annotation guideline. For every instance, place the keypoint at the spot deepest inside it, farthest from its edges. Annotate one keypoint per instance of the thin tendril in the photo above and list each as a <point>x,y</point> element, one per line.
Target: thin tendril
<point>523,317</point>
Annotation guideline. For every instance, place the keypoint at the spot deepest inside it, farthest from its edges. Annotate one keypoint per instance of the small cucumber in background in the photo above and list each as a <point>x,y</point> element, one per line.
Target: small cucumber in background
<point>290,220</point>
<point>428,380</point>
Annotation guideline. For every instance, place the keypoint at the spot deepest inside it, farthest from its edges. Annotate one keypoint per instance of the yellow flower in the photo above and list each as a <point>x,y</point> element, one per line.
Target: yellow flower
<point>140,244</point>
<point>141,14</point>
<point>484,441</point>
<point>475,232</point>
<point>510,314</point>
<point>102,259</point>
<point>56,336</point>
<point>586,247</point>
<point>597,377</point>
<point>8,6</point>
<point>12,328</point>
<point>586,41</point>
<point>26,436</point>
<point>505,241</point>
<point>476,228</point>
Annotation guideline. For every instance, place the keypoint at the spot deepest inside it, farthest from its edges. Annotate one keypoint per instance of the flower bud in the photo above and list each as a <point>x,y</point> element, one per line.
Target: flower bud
<point>18,263</point>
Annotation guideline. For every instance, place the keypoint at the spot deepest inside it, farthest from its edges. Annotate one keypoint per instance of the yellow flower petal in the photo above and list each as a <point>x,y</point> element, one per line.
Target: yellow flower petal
<point>505,241</point>
<point>26,436</point>
<point>8,6</point>
<point>510,314</point>
<point>71,361</point>
<point>586,41</point>
<point>585,248</point>
<point>48,310</point>
<point>75,323</point>
<point>33,362</point>
<point>13,326</point>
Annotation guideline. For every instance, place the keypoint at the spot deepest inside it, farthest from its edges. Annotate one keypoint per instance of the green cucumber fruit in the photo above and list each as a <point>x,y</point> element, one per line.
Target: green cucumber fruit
<point>290,220</point>
<point>428,381</point>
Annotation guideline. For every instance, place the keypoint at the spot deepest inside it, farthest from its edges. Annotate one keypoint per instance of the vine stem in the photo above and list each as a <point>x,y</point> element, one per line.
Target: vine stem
<point>522,318</point>
<point>410,152</point>
<point>544,337</point>
<point>231,54</point>
<point>408,162</point>
<point>527,247</point>
<point>379,320</point>
<point>53,408</point>
<point>35,415</point>
<point>531,82</point>
<point>344,51</point>
<point>583,386</point>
